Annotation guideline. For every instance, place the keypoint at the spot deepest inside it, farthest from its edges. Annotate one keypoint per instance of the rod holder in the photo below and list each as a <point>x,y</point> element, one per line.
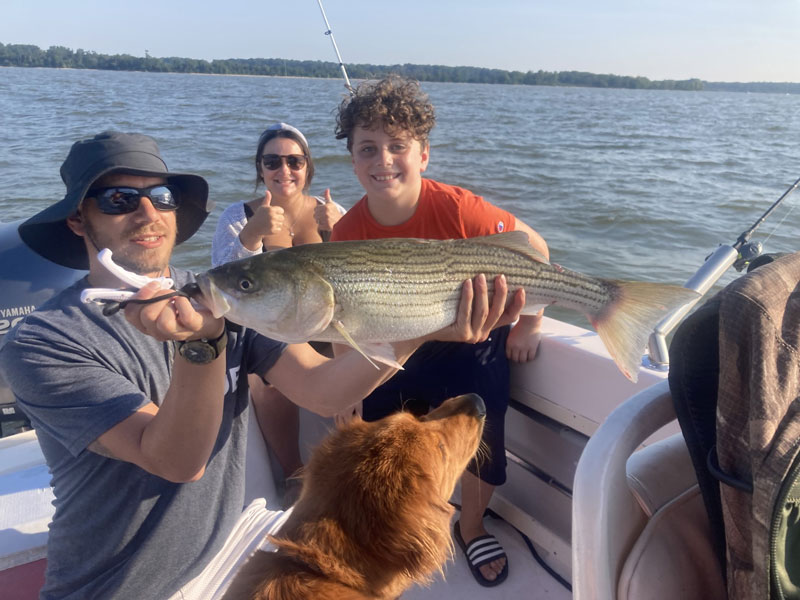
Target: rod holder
<point>705,277</point>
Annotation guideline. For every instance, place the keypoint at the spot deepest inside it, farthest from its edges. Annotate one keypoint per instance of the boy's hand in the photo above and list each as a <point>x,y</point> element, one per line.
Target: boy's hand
<point>476,317</point>
<point>327,215</point>
<point>173,319</point>
<point>523,339</point>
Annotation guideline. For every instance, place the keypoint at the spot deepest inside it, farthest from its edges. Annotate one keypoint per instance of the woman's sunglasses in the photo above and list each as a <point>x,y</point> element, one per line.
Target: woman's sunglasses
<point>273,162</point>
<point>121,200</point>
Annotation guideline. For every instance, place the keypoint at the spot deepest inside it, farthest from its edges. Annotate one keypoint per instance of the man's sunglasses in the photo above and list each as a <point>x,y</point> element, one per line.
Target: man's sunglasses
<point>121,200</point>
<point>273,162</point>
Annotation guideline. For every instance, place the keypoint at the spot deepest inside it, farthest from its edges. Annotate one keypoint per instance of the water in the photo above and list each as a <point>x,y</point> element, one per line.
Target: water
<point>621,183</point>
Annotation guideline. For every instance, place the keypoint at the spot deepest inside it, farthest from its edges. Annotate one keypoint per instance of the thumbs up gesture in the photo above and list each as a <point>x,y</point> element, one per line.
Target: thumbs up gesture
<point>327,214</point>
<point>266,220</point>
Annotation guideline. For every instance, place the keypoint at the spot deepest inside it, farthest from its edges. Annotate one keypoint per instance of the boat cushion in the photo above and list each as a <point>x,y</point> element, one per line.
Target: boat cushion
<point>673,557</point>
<point>660,472</point>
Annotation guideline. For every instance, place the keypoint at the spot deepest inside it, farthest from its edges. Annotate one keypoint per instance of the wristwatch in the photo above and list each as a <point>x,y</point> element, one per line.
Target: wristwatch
<point>203,351</point>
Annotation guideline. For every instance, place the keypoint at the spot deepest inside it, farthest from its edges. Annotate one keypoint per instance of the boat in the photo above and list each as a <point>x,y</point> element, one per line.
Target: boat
<point>576,516</point>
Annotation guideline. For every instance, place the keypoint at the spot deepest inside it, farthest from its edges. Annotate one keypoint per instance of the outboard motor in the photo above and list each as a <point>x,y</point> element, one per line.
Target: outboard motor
<point>27,280</point>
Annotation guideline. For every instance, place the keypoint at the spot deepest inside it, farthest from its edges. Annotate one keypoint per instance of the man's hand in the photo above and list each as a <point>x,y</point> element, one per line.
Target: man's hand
<point>476,317</point>
<point>173,318</point>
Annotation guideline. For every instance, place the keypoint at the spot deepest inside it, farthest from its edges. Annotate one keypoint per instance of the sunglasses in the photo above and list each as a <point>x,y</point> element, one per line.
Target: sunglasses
<point>273,162</point>
<point>121,200</point>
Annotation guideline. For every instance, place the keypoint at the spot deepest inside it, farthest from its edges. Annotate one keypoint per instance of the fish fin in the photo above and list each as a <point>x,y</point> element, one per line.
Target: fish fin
<point>339,326</point>
<point>517,241</point>
<point>626,324</point>
<point>382,352</point>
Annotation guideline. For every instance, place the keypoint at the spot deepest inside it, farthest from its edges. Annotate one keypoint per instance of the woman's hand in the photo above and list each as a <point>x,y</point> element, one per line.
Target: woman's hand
<point>266,220</point>
<point>328,214</point>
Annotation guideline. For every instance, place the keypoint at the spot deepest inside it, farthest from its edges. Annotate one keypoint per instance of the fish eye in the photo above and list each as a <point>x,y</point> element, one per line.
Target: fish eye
<point>245,284</point>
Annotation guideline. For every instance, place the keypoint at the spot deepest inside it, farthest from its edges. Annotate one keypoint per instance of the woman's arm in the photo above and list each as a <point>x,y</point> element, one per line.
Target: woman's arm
<point>226,244</point>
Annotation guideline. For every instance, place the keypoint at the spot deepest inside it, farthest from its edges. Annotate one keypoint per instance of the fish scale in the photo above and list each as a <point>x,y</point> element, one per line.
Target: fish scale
<point>544,284</point>
<point>388,290</point>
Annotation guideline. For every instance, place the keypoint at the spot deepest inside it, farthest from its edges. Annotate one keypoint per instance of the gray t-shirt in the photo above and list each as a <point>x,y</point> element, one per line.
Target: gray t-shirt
<point>118,531</point>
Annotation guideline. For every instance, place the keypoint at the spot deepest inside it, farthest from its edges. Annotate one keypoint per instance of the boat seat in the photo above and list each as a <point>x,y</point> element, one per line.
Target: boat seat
<point>639,526</point>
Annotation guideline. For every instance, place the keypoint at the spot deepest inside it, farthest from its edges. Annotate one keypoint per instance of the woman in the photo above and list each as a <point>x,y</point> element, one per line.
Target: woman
<point>285,216</point>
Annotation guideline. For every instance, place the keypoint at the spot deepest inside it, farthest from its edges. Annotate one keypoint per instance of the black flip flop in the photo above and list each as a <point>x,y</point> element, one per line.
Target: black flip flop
<point>481,551</point>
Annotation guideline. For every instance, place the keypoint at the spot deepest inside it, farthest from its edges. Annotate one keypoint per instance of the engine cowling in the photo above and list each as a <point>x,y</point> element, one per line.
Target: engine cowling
<point>27,280</point>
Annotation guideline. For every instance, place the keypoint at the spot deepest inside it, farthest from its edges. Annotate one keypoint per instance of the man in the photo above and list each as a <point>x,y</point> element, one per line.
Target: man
<point>142,416</point>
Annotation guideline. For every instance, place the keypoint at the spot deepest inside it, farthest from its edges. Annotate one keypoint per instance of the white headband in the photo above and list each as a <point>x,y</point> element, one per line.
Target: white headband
<point>283,127</point>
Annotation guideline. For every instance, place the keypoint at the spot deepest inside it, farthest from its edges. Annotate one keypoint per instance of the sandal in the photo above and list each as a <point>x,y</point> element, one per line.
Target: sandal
<point>481,551</point>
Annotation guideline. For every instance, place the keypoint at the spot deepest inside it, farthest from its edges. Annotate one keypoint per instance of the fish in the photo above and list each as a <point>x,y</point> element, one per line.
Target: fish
<point>370,293</point>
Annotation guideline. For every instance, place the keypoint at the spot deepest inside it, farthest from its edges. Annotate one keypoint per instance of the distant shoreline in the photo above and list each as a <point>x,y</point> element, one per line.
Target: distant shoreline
<point>24,55</point>
<point>168,72</point>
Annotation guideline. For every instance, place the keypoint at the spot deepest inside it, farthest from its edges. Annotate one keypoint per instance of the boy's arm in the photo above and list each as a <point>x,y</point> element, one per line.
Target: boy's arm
<point>523,339</point>
<point>537,241</point>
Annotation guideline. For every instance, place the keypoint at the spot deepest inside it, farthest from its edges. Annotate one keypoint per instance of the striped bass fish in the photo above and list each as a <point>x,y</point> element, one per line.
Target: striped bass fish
<point>369,293</point>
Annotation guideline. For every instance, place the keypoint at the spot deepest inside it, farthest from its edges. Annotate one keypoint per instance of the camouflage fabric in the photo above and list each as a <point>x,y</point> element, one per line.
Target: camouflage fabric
<point>758,417</point>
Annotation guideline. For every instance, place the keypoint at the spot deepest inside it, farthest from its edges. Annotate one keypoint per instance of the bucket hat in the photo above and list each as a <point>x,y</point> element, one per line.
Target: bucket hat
<point>47,232</point>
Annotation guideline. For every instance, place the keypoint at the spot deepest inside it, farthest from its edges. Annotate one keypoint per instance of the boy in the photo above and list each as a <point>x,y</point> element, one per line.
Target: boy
<point>386,124</point>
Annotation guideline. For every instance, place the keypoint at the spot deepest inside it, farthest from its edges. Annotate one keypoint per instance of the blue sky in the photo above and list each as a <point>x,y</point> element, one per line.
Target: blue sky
<point>714,40</point>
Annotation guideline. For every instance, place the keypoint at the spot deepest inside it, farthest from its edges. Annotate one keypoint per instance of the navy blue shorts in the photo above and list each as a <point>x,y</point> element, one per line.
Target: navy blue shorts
<point>440,370</point>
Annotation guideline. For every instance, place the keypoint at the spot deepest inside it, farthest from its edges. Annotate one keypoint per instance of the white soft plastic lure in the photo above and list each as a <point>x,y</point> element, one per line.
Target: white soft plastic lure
<point>103,295</point>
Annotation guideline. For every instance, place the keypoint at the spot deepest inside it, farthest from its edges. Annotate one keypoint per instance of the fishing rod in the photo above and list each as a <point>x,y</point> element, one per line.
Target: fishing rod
<point>745,236</point>
<point>335,48</point>
<point>737,255</point>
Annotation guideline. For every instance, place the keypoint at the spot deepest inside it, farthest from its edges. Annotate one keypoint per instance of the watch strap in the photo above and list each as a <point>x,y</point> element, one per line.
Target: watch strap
<point>203,350</point>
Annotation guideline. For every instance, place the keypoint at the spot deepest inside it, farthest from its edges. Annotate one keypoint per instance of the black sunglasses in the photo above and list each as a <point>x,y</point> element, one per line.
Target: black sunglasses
<point>273,162</point>
<point>121,200</point>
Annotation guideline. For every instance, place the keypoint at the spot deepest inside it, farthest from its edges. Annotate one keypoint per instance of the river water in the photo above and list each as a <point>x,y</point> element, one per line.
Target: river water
<point>635,184</point>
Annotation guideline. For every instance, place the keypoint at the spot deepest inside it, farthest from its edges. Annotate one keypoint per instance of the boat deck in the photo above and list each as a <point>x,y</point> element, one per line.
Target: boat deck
<point>552,416</point>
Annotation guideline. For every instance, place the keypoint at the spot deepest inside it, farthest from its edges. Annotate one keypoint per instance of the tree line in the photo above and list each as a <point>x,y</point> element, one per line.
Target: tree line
<point>26,55</point>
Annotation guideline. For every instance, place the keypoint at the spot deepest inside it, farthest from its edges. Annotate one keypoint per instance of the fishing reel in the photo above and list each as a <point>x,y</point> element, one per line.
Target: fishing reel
<point>748,252</point>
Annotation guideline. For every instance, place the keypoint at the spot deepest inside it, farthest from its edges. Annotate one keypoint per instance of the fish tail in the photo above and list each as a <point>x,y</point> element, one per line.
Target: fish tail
<point>626,323</point>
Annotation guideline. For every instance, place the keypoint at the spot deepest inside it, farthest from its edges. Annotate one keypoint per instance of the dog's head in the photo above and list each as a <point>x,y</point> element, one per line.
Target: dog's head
<point>375,496</point>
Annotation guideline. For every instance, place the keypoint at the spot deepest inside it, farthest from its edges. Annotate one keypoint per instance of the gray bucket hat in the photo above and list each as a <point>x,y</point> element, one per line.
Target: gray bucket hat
<point>109,152</point>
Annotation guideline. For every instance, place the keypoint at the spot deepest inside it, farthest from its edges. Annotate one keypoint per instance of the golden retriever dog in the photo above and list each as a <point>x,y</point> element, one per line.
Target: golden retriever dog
<point>373,516</point>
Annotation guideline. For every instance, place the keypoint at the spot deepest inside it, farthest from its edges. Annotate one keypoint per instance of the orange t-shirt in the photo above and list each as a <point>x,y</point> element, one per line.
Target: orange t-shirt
<point>443,212</point>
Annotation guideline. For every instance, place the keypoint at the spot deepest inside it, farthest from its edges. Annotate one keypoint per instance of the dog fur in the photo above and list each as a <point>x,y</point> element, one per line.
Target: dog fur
<point>373,516</point>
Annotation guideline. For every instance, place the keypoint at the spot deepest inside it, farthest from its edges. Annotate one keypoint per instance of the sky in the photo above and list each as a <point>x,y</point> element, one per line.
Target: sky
<point>713,40</point>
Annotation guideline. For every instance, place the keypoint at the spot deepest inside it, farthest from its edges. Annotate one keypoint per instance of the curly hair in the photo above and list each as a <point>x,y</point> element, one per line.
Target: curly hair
<point>396,102</point>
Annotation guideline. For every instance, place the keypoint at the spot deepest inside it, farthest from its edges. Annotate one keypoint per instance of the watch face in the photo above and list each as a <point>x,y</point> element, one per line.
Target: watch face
<point>198,352</point>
